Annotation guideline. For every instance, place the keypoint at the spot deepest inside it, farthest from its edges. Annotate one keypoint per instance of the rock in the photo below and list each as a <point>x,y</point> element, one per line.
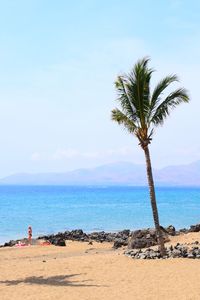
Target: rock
<point>190,255</point>
<point>131,252</point>
<point>141,238</point>
<point>142,256</point>
<point>144,238</point>
<point>194,228</point>
<point>183,230</point>
<point>79,235</point>
<point>154,255</point>
<point>171,230</point>
<point>184,250</point>
<point>10,243</point>
<point>119,243</point>
<point>59,242</point>
<point>175,253</point>
<point>178,251</point>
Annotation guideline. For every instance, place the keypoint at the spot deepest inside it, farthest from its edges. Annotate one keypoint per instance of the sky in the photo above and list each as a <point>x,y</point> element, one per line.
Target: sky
<point>58,63</point>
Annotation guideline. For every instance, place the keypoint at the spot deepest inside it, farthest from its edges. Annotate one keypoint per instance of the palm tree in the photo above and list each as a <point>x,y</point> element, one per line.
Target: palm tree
<point>141,111</point>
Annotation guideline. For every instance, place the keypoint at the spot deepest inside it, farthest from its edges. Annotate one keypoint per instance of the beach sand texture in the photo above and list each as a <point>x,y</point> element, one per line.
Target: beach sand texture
<point>94,272</point>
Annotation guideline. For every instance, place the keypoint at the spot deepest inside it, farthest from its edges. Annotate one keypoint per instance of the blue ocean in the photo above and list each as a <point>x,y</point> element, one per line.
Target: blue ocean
<point>49,209</point>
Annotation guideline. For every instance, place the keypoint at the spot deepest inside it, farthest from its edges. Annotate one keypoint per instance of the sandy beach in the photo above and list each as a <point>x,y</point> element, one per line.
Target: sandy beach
<point>94,272</point>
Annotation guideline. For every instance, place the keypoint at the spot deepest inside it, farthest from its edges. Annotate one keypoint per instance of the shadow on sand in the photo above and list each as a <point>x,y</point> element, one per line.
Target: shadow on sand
<point>61,280</point>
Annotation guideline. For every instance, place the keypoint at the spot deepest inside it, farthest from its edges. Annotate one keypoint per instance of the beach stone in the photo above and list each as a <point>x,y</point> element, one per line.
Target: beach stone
<point>125,232</point>
<point>183,230</point>
<point>144,238</point>
<point>176,253</point>
<point>78,233</point>
<point>184,251</point>
<point>194,228</point>
<point>190,255</point>
<point>11,243</point>
<point>131,253</point>
<point>195,251</point>
<point>154,255</point>
<point>59,242</point>
<point>141,238</point>
<point>120,242</point>
<point>118,238</point>
<point>171,230</point>
<point>142,256</point>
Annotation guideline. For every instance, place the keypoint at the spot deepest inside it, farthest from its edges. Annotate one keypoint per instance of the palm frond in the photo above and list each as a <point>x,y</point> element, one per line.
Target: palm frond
<point>159,89</point>
<point>124,98</point>
<point>164,108</point>
<point>141,110</point>
<point>139,88</point>
<point>118,116</point>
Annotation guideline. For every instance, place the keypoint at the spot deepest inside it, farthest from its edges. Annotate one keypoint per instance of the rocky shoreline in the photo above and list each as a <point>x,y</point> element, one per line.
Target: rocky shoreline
<point>79,236</point>
<point>137,239</point>
<point>189,250</point>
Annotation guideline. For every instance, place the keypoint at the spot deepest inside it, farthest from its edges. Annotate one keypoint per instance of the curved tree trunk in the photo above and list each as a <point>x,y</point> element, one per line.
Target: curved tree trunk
<point>153,201</point>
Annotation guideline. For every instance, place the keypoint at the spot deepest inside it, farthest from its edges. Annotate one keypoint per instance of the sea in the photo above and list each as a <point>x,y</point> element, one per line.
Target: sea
<point>50,209</point>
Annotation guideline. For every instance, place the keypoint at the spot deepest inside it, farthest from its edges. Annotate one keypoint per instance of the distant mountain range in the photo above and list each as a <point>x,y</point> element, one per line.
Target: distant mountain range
<point>120,173</point>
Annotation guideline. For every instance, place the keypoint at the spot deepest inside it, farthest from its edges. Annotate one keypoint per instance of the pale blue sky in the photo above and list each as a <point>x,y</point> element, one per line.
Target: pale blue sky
<point>59,60</point>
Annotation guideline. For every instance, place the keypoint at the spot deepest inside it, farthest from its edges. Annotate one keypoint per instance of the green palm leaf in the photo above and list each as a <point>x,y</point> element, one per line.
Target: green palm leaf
<point>160,87</point>
<point>124,120</point>
<point>124,98</point>
<point>163,110</point>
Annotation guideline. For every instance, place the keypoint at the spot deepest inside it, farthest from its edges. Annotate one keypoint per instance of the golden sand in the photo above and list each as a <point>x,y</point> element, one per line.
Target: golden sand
<point>93,272</point>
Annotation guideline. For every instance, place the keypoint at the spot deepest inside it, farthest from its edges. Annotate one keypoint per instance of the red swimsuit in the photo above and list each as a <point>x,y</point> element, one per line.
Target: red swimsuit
<point>29,233</point>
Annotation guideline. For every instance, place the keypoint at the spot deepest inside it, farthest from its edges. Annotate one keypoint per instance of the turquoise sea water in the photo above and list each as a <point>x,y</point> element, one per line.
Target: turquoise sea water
<point>49,209</point>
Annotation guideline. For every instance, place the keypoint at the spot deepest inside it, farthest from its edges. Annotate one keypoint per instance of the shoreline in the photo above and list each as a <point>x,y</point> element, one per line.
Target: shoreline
<point>118,237</point>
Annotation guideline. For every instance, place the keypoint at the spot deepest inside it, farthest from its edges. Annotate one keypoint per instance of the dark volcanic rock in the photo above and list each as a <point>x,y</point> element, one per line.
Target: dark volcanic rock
<point>59,242</point>
<point>178,251</point>
<point>137,239</point>
<point>183,230</point>
<point>171,230</point>
<point>120,242</point>
<point>10,243</point>
<point>144,238</point>
<point>23,240</point>
<point>120,238</point>
<point>194,228</point>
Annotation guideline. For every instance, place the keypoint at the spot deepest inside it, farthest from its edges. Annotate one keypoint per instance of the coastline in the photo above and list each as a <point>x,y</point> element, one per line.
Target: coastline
<point>120,237</point>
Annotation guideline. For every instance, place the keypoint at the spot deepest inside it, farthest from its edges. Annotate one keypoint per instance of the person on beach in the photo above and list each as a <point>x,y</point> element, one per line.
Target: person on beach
<point>29,234</point>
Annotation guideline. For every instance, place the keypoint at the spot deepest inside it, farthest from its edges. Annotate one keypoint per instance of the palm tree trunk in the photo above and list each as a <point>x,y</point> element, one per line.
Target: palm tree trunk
<point>153,201</point>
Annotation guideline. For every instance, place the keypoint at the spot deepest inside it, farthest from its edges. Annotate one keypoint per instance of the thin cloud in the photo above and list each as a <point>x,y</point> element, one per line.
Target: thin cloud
<point>63,154</point>
<point>35,156</point>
